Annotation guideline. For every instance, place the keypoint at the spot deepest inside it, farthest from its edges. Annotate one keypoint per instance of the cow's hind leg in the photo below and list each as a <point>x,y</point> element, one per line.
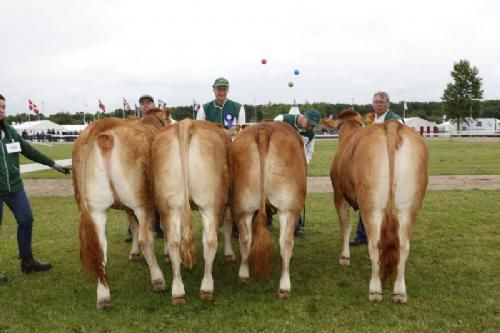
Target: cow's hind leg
<point>405,223</point>
<point>342,208</point>
<point>146,241</point>
<point>372,225</point>
<point>210,222</point>
<point>135,254</point>
<point>245,232</point>
<point>288,220</point>
<point>173,230</point>
<point>227,228</point>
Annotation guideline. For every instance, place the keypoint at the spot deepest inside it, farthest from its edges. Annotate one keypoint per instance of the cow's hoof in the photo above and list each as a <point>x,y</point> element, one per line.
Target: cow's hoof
<point>399,298</point>
<point>158,285</point>
<point>244,280</point>
<point>375,296</point>
<point>344,261</point>
<point>206,295</point>
<point>179,300</point>
<point>230,259</point>
<point>104,304</point>
<point>284,294</point>
<point>134,257</point>
<point>167,259</point>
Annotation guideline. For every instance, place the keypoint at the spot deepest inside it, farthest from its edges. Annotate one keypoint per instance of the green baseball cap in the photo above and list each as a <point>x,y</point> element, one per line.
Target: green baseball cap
<point>146,96</point>
<point>221,82</point>
<point>313,117</point>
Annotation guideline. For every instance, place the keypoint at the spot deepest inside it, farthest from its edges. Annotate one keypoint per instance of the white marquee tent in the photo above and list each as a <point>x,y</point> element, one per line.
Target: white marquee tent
<point>38,126</point>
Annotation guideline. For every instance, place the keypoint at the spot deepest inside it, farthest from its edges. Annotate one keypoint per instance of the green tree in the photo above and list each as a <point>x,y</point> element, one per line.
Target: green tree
<point>462,97</point>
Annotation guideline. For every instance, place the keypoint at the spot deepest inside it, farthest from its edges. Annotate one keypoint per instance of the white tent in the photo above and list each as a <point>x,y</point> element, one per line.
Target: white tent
<point>38,126</point>
<point>72,128</point>
<point>417,123</point>
<point>294,110</point>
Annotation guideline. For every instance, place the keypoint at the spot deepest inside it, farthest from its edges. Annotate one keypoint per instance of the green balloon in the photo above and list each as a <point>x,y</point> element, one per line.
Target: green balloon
<point>290,84</point>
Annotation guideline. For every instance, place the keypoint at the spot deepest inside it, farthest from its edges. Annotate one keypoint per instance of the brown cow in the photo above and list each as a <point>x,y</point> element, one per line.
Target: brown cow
<point>382,171</point>
<point>190,163</point>
<point>267,164</point>
<point>111,163</point>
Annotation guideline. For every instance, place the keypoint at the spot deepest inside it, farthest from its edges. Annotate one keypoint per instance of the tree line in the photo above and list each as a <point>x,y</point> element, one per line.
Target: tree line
<point>432,111</point>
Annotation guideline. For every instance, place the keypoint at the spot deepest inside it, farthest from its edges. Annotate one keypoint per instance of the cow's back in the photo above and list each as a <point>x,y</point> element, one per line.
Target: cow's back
<point>285,168</point>
<point>207,162</point>
<point>360,170</point>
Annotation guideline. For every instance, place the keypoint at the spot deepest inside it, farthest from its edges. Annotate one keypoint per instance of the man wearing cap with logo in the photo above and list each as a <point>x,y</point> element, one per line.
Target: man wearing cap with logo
<point>222,110</point>
<point>304,124</point>
<point>146,103</point>
<point>380,105</point>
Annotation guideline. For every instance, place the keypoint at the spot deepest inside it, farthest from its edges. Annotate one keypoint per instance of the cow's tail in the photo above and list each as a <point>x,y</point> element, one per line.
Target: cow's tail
<point>91,253</point>
<point>188,258</point>
<point>261,251</point>
<point>389,232</point>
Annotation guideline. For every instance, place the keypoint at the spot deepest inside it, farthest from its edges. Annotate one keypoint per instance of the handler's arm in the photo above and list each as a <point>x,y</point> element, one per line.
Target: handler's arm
<point>33,154</point>
<point>242,117</point>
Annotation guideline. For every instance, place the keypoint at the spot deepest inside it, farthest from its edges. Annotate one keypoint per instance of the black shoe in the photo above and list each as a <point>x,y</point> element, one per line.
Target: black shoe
<point>128,239</point>
<point>29,264</point>
<point>235,233</point>
<point>299,233</point>
<point>3,278</point>
<point>356,242</point>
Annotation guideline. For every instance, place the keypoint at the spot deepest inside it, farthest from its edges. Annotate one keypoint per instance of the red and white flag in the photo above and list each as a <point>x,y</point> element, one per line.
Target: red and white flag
<point>32,107</point>
<point>101,106</point>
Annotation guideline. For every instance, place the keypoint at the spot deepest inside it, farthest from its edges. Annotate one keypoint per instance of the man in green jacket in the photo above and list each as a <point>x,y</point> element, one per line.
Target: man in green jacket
<point>380,105</point>
<point>304,124</point>
<point>12,190</point>
<point>222,110</point>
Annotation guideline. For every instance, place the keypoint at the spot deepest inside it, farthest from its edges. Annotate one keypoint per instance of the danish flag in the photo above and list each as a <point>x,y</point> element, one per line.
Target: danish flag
<point>101,106</point>
<point>32,107</point>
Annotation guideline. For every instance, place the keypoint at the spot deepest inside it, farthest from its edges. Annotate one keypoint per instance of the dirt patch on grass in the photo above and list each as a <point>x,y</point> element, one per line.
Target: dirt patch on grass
<point>64,187</point>
<point>456,182</point>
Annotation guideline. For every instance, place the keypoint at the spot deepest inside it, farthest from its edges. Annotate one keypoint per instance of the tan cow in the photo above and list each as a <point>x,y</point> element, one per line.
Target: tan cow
<point>382,171</point>
<point>111,169</point>
<point>267,165</point>
<point>191,164</point>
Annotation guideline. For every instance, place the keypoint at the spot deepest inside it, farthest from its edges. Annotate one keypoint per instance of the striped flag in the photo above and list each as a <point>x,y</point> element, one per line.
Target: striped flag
<point>32,107</point>
<point>101,106</point>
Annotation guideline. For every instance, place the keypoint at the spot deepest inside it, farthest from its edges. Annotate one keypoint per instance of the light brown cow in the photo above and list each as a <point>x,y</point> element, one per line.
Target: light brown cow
<point>190,163</point>
<point>111,169</point>
<point>267,164</point>
<point>382,171</point>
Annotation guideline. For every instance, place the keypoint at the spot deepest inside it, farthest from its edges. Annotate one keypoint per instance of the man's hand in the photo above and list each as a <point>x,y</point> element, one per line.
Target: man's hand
<point>61,169</point>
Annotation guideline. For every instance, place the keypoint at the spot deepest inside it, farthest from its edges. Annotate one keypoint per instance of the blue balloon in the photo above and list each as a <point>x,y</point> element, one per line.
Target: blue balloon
<point>296,72</point>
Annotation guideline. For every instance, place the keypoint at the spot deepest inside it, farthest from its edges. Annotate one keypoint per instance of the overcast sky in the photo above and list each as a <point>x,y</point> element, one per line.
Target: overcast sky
<point>67,54</point>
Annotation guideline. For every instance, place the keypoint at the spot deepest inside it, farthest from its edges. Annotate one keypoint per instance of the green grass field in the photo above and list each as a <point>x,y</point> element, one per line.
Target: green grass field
<point>452,279</point>
<point>446,158</point>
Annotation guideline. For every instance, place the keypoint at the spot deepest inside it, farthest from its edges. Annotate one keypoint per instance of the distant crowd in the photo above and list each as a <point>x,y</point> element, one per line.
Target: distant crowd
<point>49,135</point>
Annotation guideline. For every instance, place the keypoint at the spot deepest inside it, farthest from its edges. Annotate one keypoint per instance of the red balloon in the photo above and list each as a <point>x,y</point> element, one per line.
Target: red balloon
<point>263,61</point>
